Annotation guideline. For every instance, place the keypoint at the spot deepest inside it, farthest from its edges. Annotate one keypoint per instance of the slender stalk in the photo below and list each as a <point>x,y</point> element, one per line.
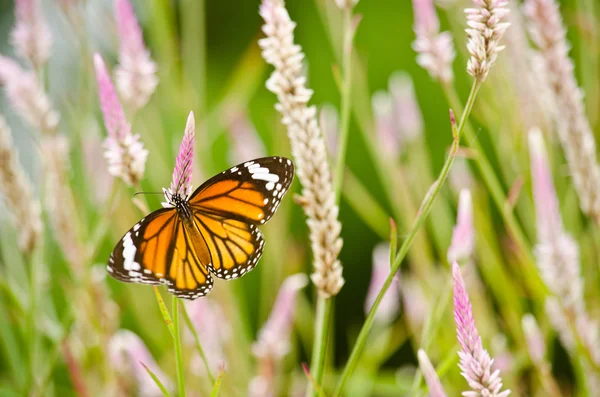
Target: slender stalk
<point>322,324</point>
<point>495,187</point>
<point>424,211</point>
<point>323,314</point>
<point>178,355</point>
<point>346,100</point>
<point>190,325</point>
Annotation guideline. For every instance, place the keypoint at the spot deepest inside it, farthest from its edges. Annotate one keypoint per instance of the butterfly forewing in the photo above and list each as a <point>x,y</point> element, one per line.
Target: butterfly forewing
<point>250,192</point>
<point>229,206</point>
<point>158,250</point>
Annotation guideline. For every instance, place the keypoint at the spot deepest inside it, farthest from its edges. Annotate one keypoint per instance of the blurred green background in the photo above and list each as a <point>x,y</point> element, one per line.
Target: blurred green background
<point>221,73</point>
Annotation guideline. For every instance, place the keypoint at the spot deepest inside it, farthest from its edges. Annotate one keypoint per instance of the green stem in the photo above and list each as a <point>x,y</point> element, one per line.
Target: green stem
<point>345,104</point>
<point>425,209</point>
<point>324,305</point>
<point>190,325</point>
<point>178,355</point>
<point>320,348</point>
<point>495,187</point>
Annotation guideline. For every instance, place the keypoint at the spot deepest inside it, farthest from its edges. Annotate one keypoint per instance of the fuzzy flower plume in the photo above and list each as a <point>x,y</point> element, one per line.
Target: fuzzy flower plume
<point>433,382</point>
<point>463,234</point>
<point>129,355</point>
<point>435,50</point>
<point>17,192</point>
<point>27,96</point>
<point>125,153</point>
<point>288,82</point>
<point>390,304</point>
<point>274,338</point>
<point>574,130</point>
<point>485,31</point>
<point>181,184</point>
<point>557,256</point>
<point>535,339</point>
<point>136,73</point>
<point>475,361</point>
<point>59,201</point>
<point>30,36</point>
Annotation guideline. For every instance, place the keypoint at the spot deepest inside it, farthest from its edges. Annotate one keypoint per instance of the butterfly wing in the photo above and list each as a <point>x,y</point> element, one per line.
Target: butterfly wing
<point>228,208</point>
<point>160,249</point>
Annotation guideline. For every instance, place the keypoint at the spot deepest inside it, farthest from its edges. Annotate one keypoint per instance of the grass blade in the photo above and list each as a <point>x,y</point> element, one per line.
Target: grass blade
<point>156,380</point>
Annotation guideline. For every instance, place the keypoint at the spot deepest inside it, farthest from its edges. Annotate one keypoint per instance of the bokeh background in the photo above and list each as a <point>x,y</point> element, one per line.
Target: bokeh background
<point>209,62</point>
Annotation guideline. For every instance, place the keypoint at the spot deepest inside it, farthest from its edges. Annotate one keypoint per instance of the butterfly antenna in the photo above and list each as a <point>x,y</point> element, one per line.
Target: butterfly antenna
<point>147,193</point>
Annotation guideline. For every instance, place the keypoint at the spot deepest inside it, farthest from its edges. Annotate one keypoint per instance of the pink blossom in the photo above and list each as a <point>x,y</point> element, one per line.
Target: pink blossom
<point>245,141</point>
<point>407,114</point>
<point>390,304</point>
<point>30,36</point>
<point>485,31</point>
<point>214,332</point>
<point>273,341</point>
<point>434,385</point>
<point>463,234</point>
<point>535,339</point>
<point>385,124</point>
<point>475,361</point>
<point>181,184</point>
<point>125,153</point>
<point>426,20</point>
<point>129,355</point>
<point>136,73</point>
<point>435,50</point>
<point>27,96</point>
<point>273,338</point>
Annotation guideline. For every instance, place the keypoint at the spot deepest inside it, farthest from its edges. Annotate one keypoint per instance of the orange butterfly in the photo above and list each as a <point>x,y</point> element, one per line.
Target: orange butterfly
<point>216,230</point>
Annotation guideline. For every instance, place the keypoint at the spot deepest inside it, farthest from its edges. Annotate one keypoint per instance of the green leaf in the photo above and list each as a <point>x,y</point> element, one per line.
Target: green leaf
<point>393,241</point>
<point>156,380</point>
<point>191,327</point>
<point>164,312</point>
<point>217,386</point>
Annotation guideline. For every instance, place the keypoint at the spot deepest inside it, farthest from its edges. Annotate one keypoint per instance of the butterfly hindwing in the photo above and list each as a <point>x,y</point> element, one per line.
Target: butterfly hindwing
<point>160,250</point>
<point>236,245</point>
<point>228,207</point>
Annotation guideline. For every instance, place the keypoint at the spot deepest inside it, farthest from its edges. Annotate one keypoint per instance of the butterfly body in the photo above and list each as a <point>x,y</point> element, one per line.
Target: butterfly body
<point>213,231</point>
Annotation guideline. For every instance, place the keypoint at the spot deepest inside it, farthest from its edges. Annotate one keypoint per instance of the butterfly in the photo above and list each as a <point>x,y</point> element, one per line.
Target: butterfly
<point>215,231</point>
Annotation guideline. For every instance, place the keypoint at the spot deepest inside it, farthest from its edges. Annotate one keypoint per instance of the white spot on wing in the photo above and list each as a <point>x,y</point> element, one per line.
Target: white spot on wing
<point>234,169</point>
<point>269,186</point>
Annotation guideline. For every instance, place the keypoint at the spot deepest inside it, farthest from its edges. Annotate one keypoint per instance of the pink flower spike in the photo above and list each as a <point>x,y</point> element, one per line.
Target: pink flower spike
<point>245,141</point>
<point>426,20</point>
<point>136,73</point>
<point>549,222</point>
<point>385,124</point>
<point>125,153</point>
<point>463,234</point>
<point>433,382</point>
<point>214,332</point>
<point>114,116</point>
<point>129,354</point>
<point>390,304</point>
<point>181,184</point>
<point>407,114</point>
<point>435,50</point>
<point>475,361</point>
<point>535,339</point>
<point>27,96</point>
<point>30,36</point>
<point>273,339</point>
